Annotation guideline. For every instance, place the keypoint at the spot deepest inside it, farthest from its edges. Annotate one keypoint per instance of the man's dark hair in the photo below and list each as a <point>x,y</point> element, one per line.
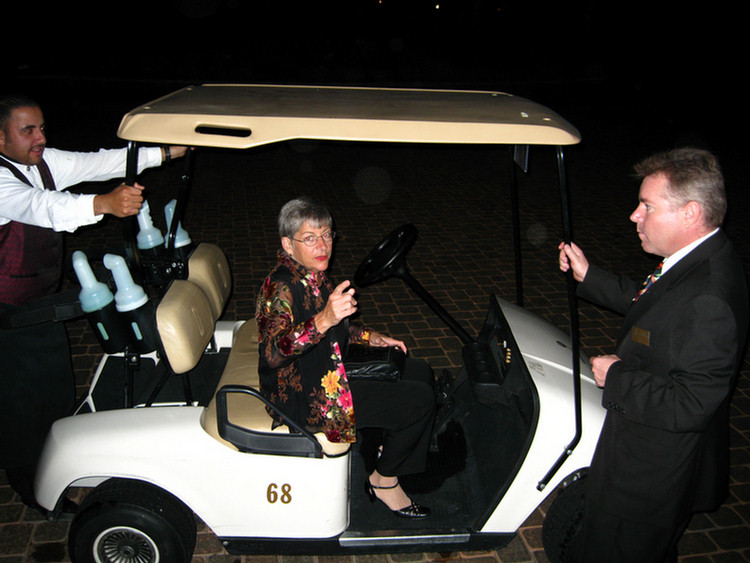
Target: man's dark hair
<point>11,102</point>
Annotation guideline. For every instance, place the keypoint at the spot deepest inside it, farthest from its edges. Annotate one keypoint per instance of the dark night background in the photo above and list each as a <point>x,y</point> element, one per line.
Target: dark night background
<point>649,75</point>
<point>633,77</point>
<point>670,62</point>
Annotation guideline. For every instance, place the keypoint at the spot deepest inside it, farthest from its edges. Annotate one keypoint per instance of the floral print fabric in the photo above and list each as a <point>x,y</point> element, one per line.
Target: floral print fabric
<point>301,370</point>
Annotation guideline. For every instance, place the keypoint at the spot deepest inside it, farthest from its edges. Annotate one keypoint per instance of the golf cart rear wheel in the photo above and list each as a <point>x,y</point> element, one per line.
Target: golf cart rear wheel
<point>563,520</point>
<point>124,521</point>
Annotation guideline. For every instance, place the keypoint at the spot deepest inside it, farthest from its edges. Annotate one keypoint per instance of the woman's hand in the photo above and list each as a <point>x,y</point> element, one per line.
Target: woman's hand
<point>381,340</point>
<point>341,304</point>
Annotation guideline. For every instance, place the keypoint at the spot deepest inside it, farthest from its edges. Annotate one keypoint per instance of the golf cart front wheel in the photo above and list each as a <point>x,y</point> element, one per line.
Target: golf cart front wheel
<point>563,521</point>
<point>131,522</point>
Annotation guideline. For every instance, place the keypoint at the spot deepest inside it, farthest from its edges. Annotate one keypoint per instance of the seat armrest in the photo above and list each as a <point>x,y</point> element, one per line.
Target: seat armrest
<point>300,444</point>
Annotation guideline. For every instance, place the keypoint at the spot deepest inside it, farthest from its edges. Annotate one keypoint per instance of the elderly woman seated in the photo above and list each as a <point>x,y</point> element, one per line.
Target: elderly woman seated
<point>304,325</point>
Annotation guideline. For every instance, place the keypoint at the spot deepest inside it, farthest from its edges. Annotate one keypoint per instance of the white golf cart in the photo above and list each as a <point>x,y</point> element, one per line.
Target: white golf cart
<point>522,416</point>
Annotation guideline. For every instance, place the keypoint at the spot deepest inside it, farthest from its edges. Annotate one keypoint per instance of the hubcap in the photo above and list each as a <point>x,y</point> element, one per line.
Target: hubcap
<point>123,544</point>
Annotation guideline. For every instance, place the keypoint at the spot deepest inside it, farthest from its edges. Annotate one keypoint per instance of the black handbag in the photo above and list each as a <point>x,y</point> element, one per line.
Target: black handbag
<point>374,363</point>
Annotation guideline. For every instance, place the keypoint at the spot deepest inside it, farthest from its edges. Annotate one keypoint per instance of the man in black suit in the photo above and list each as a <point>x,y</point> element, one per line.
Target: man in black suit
<point>663,451</point>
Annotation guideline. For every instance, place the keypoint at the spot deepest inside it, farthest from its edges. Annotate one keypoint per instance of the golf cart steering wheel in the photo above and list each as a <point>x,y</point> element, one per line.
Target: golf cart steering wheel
<point>387,258</point>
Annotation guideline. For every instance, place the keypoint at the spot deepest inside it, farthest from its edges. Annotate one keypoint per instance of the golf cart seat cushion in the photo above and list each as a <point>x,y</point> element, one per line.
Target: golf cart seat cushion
<point>245,410</point>
<point>185,323</point>
<point>208,268</point>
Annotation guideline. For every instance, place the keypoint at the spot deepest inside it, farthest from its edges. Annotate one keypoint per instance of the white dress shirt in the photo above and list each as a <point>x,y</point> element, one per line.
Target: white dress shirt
<point>60,210</point>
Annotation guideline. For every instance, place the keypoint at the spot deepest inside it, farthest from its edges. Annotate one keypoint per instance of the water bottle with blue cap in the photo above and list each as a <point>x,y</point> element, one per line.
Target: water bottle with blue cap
<point>149,238</point>
<point>98,302</point>
<point>133,303</point>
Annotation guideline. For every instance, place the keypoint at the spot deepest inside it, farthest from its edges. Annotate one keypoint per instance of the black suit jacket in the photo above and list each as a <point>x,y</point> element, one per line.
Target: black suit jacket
<point>663,451</point>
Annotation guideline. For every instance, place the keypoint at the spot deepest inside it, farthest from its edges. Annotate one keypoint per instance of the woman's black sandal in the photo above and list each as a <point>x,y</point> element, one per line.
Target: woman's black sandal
<point>414,510</point>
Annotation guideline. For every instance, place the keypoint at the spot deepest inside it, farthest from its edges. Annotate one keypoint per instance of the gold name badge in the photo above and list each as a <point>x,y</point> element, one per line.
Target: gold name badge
<point>641,336</point>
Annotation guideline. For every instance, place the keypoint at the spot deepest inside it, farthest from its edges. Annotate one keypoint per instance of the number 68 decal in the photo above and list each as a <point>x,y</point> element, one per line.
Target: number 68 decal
<point>273,496</point>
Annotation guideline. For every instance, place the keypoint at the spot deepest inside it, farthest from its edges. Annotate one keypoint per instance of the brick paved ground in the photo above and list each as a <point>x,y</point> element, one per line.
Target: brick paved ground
<point>456,197</point>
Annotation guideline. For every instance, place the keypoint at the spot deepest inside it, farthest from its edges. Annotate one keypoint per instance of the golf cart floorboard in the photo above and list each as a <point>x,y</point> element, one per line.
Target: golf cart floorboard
<point>476,455</point>
<point>460,492</point>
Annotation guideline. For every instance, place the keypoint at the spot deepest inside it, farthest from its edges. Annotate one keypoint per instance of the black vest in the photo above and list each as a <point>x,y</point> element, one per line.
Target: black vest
<point>30,257</point>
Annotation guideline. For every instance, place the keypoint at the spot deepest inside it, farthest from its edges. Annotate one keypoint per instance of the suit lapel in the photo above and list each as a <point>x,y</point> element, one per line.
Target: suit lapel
<point>670,279</point>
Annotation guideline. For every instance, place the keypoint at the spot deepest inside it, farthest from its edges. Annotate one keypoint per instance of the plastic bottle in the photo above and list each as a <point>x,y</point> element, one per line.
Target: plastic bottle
<point>149,238</point>
<point>97,302</point>
<point>133,303</point>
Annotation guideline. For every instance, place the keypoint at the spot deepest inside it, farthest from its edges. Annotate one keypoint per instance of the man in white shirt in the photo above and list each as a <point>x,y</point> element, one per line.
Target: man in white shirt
<point>37,385</point>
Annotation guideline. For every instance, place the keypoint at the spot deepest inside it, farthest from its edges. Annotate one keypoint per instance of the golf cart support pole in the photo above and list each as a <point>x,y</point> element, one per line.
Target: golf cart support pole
<point>130,223</point>
<point>516,224</point>
<point>132,359</point>
<point>573,312</point>
<point>182,197</point>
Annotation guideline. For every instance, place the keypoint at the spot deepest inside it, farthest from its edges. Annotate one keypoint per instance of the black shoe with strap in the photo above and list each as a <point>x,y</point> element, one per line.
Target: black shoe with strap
<point>414,510</point>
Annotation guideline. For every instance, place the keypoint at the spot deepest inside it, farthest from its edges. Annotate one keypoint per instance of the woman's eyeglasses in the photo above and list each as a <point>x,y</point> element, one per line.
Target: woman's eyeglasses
<point>311,240</point>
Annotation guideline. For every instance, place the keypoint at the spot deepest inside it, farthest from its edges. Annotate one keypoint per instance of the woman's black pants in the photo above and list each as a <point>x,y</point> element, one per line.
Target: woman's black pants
<point>404,411</point>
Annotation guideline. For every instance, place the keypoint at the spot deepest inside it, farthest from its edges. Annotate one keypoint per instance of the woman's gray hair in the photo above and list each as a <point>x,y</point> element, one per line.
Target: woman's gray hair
<point>295,212</point>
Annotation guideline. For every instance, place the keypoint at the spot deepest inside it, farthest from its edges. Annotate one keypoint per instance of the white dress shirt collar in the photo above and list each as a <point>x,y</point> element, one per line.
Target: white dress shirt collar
<point>684,251</point>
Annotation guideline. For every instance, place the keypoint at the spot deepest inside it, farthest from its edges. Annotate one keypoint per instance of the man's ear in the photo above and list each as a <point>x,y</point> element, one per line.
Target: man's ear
<point>692,213</point>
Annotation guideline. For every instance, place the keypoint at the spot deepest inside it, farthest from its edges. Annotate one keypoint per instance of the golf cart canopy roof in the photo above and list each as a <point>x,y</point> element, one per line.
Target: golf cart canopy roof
<point>244,116</point>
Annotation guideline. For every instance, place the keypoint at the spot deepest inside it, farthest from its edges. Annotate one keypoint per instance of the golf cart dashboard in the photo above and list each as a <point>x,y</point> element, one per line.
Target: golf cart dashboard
<point>492,361</point>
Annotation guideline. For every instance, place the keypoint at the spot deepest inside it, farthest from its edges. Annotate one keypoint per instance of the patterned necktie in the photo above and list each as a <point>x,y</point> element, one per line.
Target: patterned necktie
<point>649,281</point>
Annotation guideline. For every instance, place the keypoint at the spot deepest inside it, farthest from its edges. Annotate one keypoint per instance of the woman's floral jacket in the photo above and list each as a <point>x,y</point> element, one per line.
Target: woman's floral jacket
<point>301,370</point>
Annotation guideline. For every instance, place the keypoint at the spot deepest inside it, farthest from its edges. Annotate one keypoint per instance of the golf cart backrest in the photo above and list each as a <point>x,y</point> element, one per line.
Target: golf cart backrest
<point>186,315</point>
<point>208,268</point>
<point>185,323</point>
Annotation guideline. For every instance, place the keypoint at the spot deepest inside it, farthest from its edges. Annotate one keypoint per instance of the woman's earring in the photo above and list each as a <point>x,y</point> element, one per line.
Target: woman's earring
<point>287,245</point>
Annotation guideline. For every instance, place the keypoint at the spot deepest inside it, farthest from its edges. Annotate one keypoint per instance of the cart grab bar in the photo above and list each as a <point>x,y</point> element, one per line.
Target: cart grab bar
<point>299,443</point>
